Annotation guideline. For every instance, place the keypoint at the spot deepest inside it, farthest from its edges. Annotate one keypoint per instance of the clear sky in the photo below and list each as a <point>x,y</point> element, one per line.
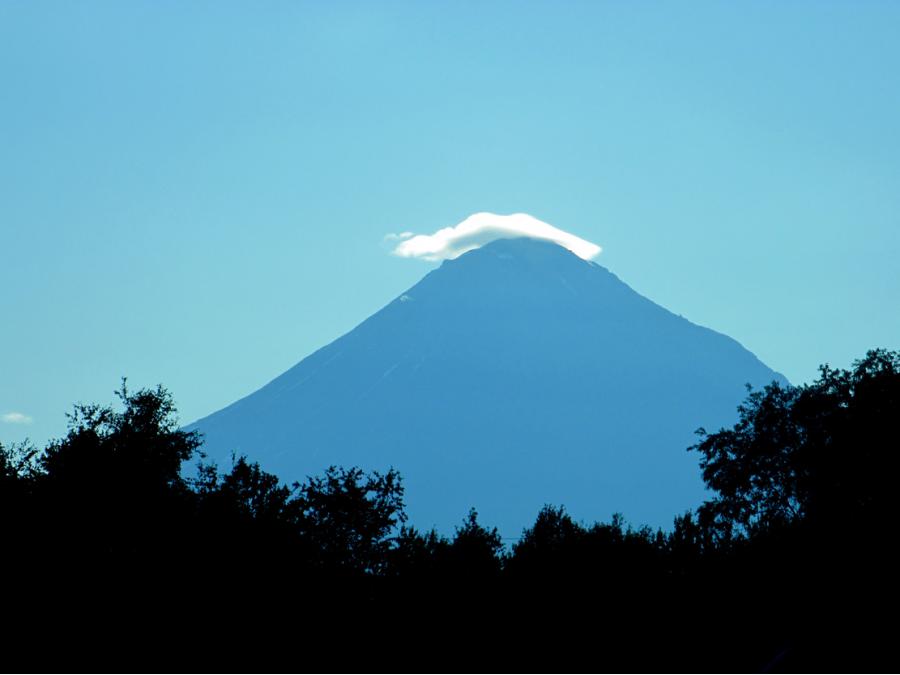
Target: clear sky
<point>197,194</point>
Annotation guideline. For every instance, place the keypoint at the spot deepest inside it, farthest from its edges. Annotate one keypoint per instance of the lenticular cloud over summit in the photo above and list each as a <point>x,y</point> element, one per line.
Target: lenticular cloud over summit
<point>482,228</point>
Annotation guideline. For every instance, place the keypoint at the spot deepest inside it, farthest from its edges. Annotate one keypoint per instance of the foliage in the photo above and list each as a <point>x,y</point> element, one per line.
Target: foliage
<point>17,465</point>
<point>814,453</point>
<point>417,555</point>
<point>349,516</point>
<point>475,551</point>
<point>141,446</point>
<point>795,539</point>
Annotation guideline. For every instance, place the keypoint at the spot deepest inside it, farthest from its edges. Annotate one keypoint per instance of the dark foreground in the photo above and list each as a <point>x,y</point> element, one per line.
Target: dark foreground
<point>113,560</point>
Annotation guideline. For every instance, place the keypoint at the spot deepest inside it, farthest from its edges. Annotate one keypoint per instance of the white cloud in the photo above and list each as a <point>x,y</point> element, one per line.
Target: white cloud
<point>16,418</point>
<point>482,228</point>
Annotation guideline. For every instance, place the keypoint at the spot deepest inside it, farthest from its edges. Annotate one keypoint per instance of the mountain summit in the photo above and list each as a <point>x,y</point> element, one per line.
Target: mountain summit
<point>513,376</point>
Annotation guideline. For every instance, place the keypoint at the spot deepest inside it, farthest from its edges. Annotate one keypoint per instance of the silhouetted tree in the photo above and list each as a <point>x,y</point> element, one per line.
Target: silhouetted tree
<point>475,552</point>
<point>17,474</point>
<point>249,519</point>
<point>824,452</point>
<point>141,446</point>
<point>348,516</point>
<point>553,546</point>
<point>805,488</point>
<point>417,555</point>
<point>112,488</point>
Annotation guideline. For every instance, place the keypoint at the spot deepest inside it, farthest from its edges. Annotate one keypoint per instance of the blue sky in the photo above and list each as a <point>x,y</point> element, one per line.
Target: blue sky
<point>197,194</point>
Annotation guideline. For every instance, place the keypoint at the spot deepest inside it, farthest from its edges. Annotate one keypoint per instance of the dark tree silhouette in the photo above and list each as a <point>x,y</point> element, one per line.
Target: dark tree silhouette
<point>419,556</point>
<point>111,490</point>
<point>249,519</point>
<point>17,473</point>
<point>824,452</point>
<point>475,552</point>
<point>806,500</point>
<point>790,565</point>
<point>552,547</point>
<point>136,452</point>
<point>349,516</point>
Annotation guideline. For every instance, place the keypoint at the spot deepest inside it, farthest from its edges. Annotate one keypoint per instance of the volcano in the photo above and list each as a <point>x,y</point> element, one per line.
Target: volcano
<point>514,376</point>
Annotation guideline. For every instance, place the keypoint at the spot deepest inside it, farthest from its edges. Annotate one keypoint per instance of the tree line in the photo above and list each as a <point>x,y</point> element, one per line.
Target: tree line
<point>111,551</point>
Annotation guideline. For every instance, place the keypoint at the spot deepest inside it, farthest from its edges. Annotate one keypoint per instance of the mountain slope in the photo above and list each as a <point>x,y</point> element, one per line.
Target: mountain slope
<point>516,375</point>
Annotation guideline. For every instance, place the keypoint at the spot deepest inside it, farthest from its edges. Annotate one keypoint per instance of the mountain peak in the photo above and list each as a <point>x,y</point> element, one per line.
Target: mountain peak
<point>538,249</point>
<point>523,243</point>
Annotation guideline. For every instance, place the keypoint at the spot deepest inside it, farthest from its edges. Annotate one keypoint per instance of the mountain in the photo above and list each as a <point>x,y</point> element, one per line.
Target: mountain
<point>515,375</point>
